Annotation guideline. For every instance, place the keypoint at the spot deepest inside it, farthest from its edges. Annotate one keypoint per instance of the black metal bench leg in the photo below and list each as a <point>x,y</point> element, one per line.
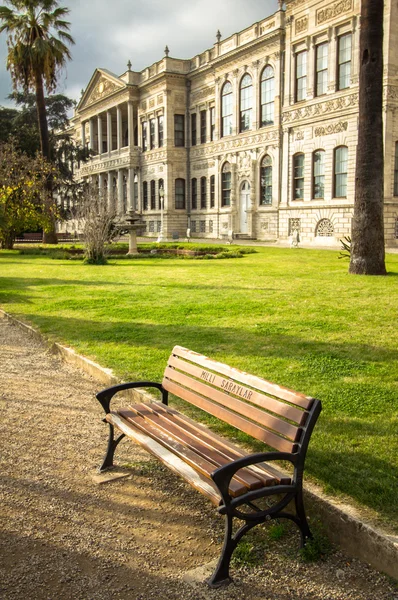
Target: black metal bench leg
<point>302,519</point>
<point>112,445</point>
<point>221,573</point>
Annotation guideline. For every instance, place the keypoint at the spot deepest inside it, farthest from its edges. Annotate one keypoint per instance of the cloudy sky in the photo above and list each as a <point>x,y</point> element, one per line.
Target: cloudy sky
<point>108,33</point>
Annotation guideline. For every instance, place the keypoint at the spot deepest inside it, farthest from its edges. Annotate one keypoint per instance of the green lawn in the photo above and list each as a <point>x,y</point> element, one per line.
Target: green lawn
<point>292,316</point>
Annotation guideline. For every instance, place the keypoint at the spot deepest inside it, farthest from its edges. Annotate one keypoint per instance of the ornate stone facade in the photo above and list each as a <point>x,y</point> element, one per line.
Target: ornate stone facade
<point>256,135</point>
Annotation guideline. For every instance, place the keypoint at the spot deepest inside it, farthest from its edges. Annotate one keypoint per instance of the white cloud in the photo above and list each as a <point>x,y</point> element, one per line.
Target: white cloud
<point>109,33</point>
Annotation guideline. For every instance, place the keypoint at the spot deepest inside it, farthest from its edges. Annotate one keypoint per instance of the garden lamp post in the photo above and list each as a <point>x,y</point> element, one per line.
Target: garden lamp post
<point>161,198</point>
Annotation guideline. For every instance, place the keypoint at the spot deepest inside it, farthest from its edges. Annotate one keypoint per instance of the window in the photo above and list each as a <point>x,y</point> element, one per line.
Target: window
<point>124,193</point>
<point>321,69</point>
<point>226,185</point>
<point>193,226</point>
<point>180,194</point>
<point>145,196</point>
<point>301,76</point>
<point>152,133</point>
<point>212,123</point>
<point>160,131</point>
<point>266,181</point>
<point>151,226</point>
<point>158,226</point>
<point>193,130</point>
<point>226,109</point>
<point>340,172</point>
<point>203,126</point>
<point>294,225</point>
<point>396,170</point>
<point>267,96</point>
<point>344,62</point>
<point>160,186</point>
<point>194,194</point>
<point>144,136</point>
<point>298,177</point>
<point>179,130</point>
<point>202,225</point>
<point>246,102</point>
<point>203,192</point>
<point>396,228</point>
<point>212,191</point>
<point>324,228</point>
<point>318,173</point>
<point>153,195</point>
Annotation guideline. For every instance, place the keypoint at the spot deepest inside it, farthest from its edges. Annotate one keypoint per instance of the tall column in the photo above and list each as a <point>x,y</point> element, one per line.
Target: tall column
<point>99,123</point>
<point>119,127</point>
<point>130,118</point>
<point>130,190</point>
<point>101,185</point>
<point>110,190</point>
<point>83,134</point>
<point>91,124</point>
<point>109,131</point>
<point>120,192</point>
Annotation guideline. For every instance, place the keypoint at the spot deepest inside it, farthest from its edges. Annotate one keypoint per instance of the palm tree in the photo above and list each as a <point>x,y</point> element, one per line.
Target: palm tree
<point>37,51</point>
<point>367,248</point>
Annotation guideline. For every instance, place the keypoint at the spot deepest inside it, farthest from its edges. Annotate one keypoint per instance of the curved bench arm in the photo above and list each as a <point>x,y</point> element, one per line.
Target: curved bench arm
<point>223,475</point>
<point>105,396</point>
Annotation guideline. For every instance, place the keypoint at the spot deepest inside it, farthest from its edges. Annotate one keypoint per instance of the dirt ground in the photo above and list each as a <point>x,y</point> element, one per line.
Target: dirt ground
<point>65,537</point>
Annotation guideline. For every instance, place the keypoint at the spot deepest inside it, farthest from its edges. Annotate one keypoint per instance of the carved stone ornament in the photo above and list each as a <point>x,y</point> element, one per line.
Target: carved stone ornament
<point>302,24</point>
<point>333,11</point>
<point>204,93</point>
<point>321,108</point>
<point>235,144</point>
<point>103,88</point>
<point>244,164</point>
<point>329,129</point>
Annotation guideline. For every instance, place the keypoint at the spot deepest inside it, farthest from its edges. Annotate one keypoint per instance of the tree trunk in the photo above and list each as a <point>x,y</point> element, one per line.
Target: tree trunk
<point>367,248</point>
<point>49,236</point>
<point>7,243</point>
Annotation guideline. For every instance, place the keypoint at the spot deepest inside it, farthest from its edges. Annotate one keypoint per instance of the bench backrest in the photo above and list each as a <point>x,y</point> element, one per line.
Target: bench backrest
<point>277,416</point>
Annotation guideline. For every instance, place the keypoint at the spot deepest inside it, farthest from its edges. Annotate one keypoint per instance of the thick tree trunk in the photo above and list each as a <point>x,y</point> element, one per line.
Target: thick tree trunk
<point>49,236</point>
<point>367,248</point>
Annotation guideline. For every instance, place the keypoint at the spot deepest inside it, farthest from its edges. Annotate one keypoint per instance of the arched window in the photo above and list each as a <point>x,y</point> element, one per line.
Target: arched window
<point>246,103</point>
<point>267,96</point>
<point>226,185</point>
<point>226,109</point>
<point>298,176</point>
<point>145,195</point>
<point>194,193</point>
<point>180,194</point>
<point>153,195</point>
<point>266,181</point>
<point>340,171</point>
<point>318,174</point>
<point>324,228</point>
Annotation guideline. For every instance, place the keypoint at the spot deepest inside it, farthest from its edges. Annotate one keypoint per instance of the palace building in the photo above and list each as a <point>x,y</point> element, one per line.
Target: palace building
<point>256,135</point>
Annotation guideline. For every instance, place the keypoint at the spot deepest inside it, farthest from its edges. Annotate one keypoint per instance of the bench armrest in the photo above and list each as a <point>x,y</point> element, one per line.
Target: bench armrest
<point>223,475</point>
<point>105,396</point>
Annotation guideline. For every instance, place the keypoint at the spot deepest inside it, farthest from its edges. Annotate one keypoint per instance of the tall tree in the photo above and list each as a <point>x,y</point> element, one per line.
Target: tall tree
<point>367,248</point>
<point>37,51</point>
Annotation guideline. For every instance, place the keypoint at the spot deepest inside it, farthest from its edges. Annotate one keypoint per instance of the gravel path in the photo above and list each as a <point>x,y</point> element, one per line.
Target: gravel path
<point>65,537</point>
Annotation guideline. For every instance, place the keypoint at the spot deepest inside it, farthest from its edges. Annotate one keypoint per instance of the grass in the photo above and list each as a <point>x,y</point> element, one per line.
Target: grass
<point>292,316</point>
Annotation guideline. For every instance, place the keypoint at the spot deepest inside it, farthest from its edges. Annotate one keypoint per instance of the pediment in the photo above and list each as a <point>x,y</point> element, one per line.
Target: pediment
<point>102,84</point>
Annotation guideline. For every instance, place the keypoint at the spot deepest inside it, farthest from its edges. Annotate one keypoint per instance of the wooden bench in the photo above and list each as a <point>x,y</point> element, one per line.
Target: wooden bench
<point>239,484</point>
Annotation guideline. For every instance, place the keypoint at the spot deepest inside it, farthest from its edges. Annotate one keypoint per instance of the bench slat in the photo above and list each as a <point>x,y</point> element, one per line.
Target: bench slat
<point>173,462</point>
<point>200,447</point>
<point>279,408</point>
<point>227,416</point>
<point>271,473</point>
<point>246,410</point>
<point>203,466</point>
<point>245,378</point>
